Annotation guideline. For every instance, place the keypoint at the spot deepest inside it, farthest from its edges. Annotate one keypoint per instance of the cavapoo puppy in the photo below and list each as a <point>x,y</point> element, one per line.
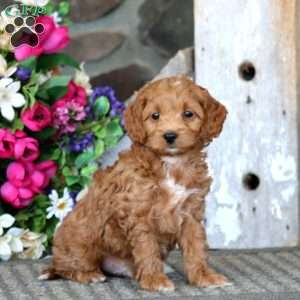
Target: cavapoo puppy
<point>151,199</point>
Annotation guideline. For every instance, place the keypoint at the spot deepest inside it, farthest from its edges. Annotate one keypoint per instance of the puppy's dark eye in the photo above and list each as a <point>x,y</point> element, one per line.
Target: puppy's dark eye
<point>155,116</point>
<point>188,114</point>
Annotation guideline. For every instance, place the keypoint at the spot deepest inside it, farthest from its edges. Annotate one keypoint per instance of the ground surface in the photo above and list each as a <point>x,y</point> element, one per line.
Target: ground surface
<point>266,275</point>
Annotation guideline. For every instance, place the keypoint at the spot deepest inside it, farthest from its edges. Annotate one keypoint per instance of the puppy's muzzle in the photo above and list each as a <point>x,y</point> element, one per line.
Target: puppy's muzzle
<point>170,137</point>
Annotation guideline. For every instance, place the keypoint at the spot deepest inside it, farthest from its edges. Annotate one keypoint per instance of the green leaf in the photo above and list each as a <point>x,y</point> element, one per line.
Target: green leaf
<point>100,132</point>
<point>54,88</point>
<point>89,170</point>
<point>17,124</point>
<point>51,61</point>
<point>111,141</point>
<point>57,92</point>
<point>50,8</point>
<point>85,180</point>
<point>57,81</point>
<point>45,134</point>
<point>64,8</point>
<point>55,155</point>
<point>70,180</point>
<point>101,106</point>
<point>63,159</point>
<point>39,223</point>
<point>23,216</point>
<point>50,228</point>
<point>83,159</point>
<point>99,149</point>
<point>67,171</point>
<point>41,201</point>
<point>29,63</point>
<point>114,128</point>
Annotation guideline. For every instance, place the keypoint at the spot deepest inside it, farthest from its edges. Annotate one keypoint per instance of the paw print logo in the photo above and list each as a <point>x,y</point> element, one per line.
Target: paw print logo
<point>24,32</point>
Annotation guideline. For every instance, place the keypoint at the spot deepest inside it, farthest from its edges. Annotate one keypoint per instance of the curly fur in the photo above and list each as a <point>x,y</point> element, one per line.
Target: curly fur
<point>151,199</point>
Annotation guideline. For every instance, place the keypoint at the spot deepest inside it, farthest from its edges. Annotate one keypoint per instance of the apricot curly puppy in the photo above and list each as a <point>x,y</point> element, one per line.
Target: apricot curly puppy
<point>152,198</point>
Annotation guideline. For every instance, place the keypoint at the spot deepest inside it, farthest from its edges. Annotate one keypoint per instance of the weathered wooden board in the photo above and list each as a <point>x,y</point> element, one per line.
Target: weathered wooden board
<point>260,135</point>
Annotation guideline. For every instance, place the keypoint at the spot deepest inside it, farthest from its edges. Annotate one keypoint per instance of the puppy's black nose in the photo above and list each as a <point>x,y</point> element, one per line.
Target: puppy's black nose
<point>170,137</point>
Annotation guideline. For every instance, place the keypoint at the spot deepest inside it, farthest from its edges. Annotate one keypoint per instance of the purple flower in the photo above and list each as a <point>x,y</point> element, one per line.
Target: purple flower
<point>105,91</point>
<point>79,144</point>
<point>23,74</point>
<point>117,107</point>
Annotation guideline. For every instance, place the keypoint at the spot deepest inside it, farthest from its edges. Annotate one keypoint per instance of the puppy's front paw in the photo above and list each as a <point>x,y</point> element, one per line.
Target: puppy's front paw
<point>88,277</point>
<point>209,279</point>
<point>157,282</point>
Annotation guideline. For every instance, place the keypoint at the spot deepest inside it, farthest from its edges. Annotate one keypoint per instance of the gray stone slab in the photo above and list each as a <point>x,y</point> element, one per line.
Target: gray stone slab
<point>263,275</point>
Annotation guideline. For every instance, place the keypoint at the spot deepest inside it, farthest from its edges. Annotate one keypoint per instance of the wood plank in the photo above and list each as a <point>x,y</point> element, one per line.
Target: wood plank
<point>260,135</point>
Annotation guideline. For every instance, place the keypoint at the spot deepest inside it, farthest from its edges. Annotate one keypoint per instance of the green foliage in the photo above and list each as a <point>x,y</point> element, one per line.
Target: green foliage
<point>51,61</point>
<point>54,88</point>
<point>34,217</point>
<point>101,106</point>
<point>29,63</point>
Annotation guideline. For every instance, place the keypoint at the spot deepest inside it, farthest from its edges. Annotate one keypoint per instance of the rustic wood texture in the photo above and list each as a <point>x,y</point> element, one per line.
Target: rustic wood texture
<point>260,135</point>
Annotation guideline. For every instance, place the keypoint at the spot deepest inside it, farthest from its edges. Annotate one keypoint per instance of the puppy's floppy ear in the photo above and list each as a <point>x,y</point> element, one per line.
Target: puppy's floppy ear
<point>215,115</point>
<point>133,117</point>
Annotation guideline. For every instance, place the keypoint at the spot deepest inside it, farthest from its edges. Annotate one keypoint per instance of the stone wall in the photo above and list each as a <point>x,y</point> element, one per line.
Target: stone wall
<point>126,42</point>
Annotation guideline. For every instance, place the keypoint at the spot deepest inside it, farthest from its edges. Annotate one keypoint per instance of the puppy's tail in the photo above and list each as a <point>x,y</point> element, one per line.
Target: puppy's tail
<point>48,274</point>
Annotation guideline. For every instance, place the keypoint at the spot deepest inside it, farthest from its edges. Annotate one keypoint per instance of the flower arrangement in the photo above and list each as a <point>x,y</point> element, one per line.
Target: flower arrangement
<point>54,128</point>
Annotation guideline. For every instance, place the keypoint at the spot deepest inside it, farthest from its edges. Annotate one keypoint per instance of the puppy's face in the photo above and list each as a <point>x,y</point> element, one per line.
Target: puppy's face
<point>173,115</point>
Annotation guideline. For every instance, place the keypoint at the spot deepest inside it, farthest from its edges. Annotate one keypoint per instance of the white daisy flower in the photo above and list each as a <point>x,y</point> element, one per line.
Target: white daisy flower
<point>83,79</point>
<point>5,250</point>
<point>40,3</point>
<point>33,244</point>
<point>4,71</point>
<point>10,98</point>
<point>6,221</point>
<point>60,206</point>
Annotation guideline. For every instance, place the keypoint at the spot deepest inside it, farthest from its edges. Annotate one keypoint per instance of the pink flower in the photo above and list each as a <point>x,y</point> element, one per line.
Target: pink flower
<point>20,134</point>
<point>76,94</point>
<point>25,180</point>
<point>16,197</point>
<point>68,111</point>
<point>52,40</point>
<point>7,143</point>
<point>37,117</point>
<point>26,149</point>
<point>49,169</point>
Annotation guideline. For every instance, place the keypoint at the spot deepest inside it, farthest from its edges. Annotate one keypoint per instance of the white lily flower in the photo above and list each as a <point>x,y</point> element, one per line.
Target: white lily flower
<point>82,79</point>
<point>6,221</point>
<point>40,3</point>
<point>33,244</point>
<point>5,251</point>
<point>60,207</point>
<point>4,71</point>
<point>15,242</point>
<point>10,98</point>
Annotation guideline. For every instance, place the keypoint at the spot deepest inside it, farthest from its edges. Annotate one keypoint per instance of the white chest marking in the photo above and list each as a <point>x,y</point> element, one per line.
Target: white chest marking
<point>179,193</point>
